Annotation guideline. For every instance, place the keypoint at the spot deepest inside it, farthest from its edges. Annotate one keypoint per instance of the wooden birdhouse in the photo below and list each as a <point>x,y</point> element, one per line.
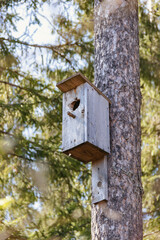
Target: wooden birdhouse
<point>85,128</point>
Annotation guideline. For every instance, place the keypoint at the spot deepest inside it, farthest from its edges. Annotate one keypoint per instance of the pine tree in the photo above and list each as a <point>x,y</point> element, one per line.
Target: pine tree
<point>42,192</point>
<point>150,86</point>
<point>45,195</point>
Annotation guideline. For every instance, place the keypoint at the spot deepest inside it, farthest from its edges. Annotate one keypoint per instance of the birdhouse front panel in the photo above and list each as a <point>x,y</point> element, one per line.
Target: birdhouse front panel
<point>74,121</point>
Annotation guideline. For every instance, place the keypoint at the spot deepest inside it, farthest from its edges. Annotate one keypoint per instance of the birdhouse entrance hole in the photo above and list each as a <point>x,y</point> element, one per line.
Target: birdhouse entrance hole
<point>75,104</point>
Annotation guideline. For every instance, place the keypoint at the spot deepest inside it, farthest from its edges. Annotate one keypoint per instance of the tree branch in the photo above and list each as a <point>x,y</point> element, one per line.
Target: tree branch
<point>15,72</point>
<point>14,85</point>
<point>7,133</point>
<point>147,213</point>
<point>50,47</point>
<point>149,234</point>
<point>23,88</point>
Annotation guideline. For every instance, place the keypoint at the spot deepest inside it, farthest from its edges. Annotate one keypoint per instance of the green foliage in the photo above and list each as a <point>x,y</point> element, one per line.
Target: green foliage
<point>45,195</point>
<point>150,88</point>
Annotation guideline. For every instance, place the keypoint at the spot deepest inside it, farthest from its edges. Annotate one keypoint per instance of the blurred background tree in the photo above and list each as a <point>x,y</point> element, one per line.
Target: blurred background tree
<point>44,194</point>
<point>150,88</point>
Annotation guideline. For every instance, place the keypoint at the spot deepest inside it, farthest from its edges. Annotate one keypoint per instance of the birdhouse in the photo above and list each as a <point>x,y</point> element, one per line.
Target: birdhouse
<point>85,127</point>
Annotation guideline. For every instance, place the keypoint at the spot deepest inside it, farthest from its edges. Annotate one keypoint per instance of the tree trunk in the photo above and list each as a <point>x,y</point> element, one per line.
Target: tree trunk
<point>117,76</point>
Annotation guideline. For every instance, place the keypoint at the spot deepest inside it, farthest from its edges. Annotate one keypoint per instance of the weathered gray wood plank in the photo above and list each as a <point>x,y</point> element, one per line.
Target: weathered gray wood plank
<point>73,132</point>
<point>98,120</point>
<point>99,180</point>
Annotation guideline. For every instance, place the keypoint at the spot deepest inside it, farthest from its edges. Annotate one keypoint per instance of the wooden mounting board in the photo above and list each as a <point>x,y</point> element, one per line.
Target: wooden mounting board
<point>76,80</point>
<point>99,180</point>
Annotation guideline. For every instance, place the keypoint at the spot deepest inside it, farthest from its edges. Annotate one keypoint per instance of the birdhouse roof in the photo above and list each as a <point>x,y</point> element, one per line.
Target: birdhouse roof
<point>74,81</point>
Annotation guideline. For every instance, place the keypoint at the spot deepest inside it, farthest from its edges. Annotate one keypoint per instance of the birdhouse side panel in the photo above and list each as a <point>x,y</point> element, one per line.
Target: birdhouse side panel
<point>98,120</point>
<point>73,128</point>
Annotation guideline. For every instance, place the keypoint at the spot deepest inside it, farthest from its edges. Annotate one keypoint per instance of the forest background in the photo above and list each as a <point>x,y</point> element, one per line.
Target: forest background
<point>44,194</point>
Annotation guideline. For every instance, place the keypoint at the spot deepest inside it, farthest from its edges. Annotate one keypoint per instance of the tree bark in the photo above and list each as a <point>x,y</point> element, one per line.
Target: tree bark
<point>117,76</point>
